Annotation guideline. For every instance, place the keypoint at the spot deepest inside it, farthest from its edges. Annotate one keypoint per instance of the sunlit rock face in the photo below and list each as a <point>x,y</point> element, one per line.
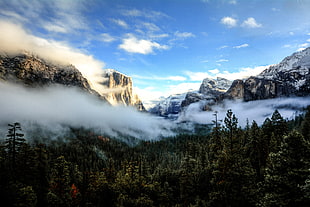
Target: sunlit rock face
<point>118,89</point>
<point>291,77</point>
<point>30,70</point>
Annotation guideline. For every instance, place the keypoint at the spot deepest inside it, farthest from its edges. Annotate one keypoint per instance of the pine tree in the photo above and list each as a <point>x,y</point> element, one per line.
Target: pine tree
<point>14,143</point>
<point>286,171</point>
<point>305,126</point>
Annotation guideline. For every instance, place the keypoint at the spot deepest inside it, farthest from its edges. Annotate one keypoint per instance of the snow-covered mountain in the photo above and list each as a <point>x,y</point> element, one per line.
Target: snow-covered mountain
<point>209,92</point>
<point>291,77</point>
<point>169,107</point>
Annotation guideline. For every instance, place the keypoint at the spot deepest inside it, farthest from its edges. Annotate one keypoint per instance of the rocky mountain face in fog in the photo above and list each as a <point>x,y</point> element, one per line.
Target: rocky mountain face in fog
<point>118,89</point>
<point>291,77</point>
<point>210,91</point>
<point>33,71</point>
<point>169,107</point>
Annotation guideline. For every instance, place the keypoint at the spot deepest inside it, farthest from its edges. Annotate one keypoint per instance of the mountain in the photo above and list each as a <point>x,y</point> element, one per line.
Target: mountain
<point>118,89</point>
<point>30,70</point>
<point>210,90</point>
<point>291,77</point>
<point>33,71</point>
<point>169,107</point>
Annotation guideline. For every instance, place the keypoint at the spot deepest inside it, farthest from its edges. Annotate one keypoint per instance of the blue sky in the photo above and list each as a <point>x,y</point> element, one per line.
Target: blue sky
<point>166,46</point>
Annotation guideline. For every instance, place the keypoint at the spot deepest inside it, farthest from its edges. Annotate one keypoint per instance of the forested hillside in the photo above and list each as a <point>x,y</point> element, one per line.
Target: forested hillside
<point>266,165</point>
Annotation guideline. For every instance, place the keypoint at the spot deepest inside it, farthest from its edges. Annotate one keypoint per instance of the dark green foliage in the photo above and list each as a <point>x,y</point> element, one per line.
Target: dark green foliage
<point>255,166</point>
<point>305,129</point>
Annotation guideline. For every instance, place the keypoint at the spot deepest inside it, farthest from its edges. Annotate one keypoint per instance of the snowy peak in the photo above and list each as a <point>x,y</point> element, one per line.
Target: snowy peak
<point>214,86</point>
<point>297,62</point>
<point>291,77</point>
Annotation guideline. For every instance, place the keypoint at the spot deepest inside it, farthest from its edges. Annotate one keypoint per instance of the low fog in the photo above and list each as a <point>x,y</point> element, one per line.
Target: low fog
<point>253,110</point>
<point>56,108</point>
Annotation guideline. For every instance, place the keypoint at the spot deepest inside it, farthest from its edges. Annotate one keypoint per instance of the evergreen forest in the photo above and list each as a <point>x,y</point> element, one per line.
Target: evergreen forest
<point>257,165</point>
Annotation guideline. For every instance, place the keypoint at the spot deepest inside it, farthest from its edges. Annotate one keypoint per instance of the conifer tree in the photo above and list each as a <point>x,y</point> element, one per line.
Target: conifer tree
<point>305,126</point>
<point>286,171</point>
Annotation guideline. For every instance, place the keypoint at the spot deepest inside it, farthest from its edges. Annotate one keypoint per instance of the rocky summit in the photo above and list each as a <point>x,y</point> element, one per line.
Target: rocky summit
<point>118,89</point>
<point>30,70</point>
<point>291,77</point>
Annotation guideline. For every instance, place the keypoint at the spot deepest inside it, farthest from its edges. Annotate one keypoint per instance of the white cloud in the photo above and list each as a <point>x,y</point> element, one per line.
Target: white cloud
<point>133,45</point>
<point>150,26</point>
<point>105,37</point>
<point>214,71</point>
<point>229,22</point>
<point>16,40</point>
<point>304,45</point>
<point>55,108</point>
<point>222,60</point>
<point>251,23</point>
<point>233,2</point>
<point>183,35</point>
<point>197,76</point>
<point>158,36</point>
<point>308,40</point>
<point>182,88</point>
<point>63,16</point>
<point>252,110</point>
<point>144,13</point>
<point>223,47</point>
<point>241,74</point>
<point>120,22</point>
<point>13,15</point>
<point>241,46</point>
<point>55,28</point>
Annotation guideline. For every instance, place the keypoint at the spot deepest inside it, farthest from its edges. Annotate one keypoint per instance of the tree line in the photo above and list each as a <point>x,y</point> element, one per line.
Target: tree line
<point>267,165</point>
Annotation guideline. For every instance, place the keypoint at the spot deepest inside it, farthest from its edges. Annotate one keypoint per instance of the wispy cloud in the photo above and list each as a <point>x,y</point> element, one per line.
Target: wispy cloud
<point>150,14</point>
<point>63,16</point>
<point>133,45</point>
<point>251,23</point>
<point>120,23</point>
<point>196,76</point>
<point>241,46</point>
<point>105,37</point>
<point>229,22</point>
<point>183,35</point>
<point>222,60</point>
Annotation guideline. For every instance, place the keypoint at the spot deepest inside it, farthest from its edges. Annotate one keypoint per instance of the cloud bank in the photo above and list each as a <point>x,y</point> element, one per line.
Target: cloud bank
<point>56,107</point>
<point>254,110</point>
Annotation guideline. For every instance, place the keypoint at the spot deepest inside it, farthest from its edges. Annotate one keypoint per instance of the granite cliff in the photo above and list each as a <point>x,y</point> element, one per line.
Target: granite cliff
<point>291,77</point>
<point>32,71</point>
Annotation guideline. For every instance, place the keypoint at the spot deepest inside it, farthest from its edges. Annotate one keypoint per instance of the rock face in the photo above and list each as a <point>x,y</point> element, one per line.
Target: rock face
<point>291,77</point>
<point>169,107</point>
<point>118,89</point>
<point>33,71</point>
<point>210,91</point>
